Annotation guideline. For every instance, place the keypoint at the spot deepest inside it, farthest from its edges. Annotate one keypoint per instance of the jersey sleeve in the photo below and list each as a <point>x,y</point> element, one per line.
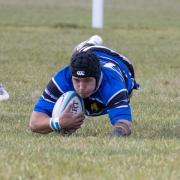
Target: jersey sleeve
<point>44,106</point>
<point>54,89</point>
<point>119,107</point>
<point>116,98</point>
<point>120,113</point>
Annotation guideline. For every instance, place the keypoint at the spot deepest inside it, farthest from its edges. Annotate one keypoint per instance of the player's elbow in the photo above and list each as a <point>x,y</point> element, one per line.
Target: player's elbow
<point>32,125</point>
<point>39,123</point>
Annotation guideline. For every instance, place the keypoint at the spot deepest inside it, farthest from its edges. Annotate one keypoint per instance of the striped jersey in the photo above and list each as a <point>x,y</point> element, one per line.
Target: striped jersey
<point>112,94</point>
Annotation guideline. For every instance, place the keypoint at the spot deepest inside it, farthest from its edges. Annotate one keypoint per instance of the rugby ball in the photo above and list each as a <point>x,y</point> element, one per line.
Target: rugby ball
<point>66,99</point>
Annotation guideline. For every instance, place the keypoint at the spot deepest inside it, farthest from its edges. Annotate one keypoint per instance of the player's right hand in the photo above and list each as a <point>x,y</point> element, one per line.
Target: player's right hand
<point>70,120</point>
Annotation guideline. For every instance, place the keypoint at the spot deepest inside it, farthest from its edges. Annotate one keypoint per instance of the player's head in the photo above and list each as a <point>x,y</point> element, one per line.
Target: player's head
<point>85,65</point>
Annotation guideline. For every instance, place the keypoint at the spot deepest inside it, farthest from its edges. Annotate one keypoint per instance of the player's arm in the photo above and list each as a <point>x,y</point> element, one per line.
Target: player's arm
<point>122,128</point>
<point>40,122</point>
<point>120,114</point>
<point>121,120</point>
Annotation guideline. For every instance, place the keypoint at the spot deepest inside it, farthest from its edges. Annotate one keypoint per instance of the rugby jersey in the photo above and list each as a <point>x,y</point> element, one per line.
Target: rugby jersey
<point>112,92</point>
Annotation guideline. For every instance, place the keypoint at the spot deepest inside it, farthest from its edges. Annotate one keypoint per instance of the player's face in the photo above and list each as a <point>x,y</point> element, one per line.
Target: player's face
<point>84,86</point>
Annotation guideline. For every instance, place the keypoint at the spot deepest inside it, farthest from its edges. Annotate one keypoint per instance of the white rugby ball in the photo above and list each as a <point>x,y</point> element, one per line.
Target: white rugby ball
<point>66,99</point>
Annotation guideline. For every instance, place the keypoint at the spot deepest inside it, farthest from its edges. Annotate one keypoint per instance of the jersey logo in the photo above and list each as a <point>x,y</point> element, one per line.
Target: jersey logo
<point>80,73</point>
<point>94,107</point>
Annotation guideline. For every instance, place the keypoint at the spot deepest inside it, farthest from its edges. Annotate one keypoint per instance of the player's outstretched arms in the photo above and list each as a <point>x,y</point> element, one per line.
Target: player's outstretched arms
<point>122,128</point>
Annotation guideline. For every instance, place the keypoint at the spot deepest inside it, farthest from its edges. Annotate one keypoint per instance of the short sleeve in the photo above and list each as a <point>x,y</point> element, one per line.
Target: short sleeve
<point>44,106</point>
<point>119,113</point>
<point>58,85</point>
<point>115,96</point>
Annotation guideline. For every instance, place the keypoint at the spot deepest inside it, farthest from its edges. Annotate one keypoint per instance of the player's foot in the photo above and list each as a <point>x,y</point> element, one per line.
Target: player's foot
<point>96,40</point>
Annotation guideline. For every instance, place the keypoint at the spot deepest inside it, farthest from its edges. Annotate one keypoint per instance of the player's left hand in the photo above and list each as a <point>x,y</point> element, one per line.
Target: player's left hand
<point>122,128</point>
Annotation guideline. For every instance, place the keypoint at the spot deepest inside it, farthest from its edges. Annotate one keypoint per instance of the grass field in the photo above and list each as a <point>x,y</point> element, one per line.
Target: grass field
<point>36,40</point>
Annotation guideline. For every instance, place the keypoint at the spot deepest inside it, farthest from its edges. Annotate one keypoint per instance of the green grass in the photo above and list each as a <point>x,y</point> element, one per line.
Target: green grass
<point>36,40</point>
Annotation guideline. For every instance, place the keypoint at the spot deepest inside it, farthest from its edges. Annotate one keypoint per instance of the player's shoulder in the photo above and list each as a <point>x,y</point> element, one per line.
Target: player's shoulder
<point>63,78</point>
<point>63,73</point>
<point>111,83</point>
<point>63,70</point>
<point>110,74</point>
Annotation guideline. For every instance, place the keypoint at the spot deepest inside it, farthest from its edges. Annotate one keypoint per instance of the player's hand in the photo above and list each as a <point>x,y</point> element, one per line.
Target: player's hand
<point>70,120</point>
<point>122,128</point>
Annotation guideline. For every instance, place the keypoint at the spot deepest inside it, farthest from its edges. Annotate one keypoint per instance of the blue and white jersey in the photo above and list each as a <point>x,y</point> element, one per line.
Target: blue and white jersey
<point>112,92</point>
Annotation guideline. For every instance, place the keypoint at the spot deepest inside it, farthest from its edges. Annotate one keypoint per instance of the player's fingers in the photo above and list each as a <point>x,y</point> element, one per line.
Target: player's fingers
<point>79,121</point>
<point>79,115</point>
<point>69,107</point>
